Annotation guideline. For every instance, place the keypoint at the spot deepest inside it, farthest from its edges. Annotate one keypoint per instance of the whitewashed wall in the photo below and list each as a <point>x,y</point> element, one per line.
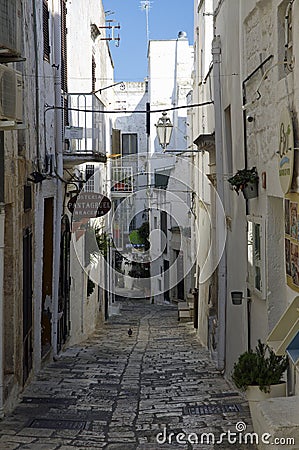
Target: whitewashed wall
<point>86,311</point>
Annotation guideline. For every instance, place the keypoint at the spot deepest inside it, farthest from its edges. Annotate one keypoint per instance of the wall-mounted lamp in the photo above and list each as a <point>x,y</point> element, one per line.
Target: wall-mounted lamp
<point>37,177</point>
<point>164,130</point>
<point>237,297</point>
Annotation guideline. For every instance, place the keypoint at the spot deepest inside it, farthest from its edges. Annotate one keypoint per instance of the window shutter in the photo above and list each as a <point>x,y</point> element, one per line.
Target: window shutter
<point>93,74</point>
<point>116,141</point>
<point>46,30</point>
<point>64,87</point>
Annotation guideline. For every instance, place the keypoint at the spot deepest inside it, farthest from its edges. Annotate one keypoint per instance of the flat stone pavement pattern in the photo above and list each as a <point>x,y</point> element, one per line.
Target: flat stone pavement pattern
<point>117,392</point>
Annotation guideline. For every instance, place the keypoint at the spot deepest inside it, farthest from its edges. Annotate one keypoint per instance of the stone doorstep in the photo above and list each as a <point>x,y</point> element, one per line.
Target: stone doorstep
<point>279,417</point>
<point>185,311</point>
<point>190,301</point>
<point>183,306</point>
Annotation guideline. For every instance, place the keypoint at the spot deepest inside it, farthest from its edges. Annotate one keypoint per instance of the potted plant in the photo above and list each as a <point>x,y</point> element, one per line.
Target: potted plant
<point>260,367</point>
<point>246,180</point>
<point>260,373</point>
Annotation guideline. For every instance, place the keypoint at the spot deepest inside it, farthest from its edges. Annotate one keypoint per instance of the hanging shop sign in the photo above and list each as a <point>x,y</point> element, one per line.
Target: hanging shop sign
<point>286,150</point>
<point>91,205</point>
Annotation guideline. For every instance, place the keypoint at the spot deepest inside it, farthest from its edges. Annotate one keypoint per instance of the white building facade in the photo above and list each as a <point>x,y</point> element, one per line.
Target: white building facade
<point>252,49</point>
<point>170,64</point>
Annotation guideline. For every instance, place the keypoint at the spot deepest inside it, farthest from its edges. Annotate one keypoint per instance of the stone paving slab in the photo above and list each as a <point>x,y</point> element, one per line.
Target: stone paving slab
<point>157,389</point>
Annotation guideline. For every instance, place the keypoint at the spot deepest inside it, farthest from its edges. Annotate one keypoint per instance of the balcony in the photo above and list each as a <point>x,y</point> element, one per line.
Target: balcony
<point>122,182</point>
<point>85,135</point>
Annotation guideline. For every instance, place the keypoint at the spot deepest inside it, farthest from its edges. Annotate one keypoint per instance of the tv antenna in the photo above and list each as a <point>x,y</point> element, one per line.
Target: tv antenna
<point>111,26</point>
<point>145,5</point>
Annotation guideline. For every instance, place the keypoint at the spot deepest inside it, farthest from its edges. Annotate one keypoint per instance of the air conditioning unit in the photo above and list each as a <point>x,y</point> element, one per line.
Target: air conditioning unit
<point>10,27</point>
<point>11,94</point>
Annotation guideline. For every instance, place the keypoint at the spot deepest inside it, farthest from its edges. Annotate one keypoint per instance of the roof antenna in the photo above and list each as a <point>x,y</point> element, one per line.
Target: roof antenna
<point>145,6</point>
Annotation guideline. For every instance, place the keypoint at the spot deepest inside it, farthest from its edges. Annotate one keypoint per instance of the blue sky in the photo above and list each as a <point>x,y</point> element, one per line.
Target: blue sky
<point>166,19</point>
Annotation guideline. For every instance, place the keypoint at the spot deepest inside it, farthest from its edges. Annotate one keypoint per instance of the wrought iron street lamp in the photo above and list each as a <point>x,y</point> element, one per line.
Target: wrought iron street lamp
<point>164,130</point>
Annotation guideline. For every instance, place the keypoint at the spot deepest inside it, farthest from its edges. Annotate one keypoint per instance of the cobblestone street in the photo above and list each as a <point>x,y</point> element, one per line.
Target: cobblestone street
<point>118,392</point>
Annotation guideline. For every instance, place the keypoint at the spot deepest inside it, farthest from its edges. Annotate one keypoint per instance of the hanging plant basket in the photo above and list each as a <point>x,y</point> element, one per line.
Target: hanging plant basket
<point>246,181</point>
<point>250,190</point>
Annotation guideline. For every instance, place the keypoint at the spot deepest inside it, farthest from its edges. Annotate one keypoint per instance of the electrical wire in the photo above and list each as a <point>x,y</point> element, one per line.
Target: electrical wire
<point>49,108</point>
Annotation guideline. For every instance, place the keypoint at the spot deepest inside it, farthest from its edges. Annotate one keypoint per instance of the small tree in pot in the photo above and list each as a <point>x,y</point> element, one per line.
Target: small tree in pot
<point>260,368</point>
<point>260,373</point>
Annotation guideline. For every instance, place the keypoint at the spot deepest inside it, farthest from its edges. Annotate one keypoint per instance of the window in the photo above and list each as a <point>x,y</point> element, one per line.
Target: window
<point>256,256</point>
<point>228,140</point>
<point>163,221</point>
<point>89,172</point>
<point>129,143</point>
<point>162,178</point>
<point>46,30</point>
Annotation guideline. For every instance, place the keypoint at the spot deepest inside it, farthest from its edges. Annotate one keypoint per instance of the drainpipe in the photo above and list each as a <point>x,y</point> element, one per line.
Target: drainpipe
<point>2,231</point>
<point>175,97</point>
<point>59,188</point>
<point>82,299</point>
<point>216,52</point>
<point>38,197</point>
<point>2,225</point>
<point>56,262</point>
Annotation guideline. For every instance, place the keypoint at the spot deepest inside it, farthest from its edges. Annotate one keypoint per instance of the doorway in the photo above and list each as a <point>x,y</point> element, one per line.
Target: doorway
<point>179,258</point>
<point>64,284</point>
<point>27,303</point>
<point>46,313</point>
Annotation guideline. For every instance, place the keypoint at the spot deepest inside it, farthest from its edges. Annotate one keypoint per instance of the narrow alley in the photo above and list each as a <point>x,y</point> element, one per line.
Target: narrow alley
<point>118,392</point>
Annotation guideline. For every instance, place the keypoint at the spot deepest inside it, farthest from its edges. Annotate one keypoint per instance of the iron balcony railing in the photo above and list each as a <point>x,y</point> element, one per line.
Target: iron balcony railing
<point>122,180</point>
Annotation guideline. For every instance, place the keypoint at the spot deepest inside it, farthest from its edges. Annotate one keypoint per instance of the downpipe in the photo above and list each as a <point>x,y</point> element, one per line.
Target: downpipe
<point>56,270</point>
<point>59,193</point>
<point>222,275</point>
<point>2,227</point>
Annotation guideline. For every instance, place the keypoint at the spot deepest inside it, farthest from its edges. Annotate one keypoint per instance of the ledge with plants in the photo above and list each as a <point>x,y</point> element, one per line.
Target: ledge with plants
<point>260,373</point>
<point>260,368</point>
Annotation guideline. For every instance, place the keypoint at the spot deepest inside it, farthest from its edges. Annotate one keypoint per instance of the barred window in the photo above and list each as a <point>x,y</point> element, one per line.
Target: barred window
<point>256,256</point>
<point>93,74</point>
<point>89,172</point>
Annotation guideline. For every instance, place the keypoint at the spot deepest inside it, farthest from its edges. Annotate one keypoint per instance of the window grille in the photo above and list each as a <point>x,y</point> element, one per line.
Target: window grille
<point>256,256</point>
<point>89,172</point>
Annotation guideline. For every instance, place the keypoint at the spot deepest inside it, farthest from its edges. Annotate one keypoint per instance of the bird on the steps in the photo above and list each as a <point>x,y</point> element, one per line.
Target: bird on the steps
<point>130,332</point>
